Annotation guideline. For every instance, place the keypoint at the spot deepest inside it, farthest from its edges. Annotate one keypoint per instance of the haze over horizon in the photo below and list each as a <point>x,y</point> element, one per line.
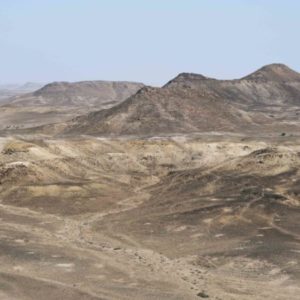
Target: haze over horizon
<point>144,41</point>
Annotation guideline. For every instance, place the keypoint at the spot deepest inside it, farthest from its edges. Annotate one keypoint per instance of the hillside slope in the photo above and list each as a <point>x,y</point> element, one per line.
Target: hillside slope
<point>90,93</point>
<point>62,101</point>
<point>268,99</point>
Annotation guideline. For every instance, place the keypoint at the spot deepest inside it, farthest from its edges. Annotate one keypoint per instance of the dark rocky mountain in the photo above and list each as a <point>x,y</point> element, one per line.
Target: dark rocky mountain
<point>275,72</point>
<point>274,84</point>
<point>268,99</point>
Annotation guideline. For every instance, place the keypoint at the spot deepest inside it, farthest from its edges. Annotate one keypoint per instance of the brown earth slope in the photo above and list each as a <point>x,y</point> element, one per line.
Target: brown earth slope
<point>267,100</point>
<point>88,93</point>
<point>171,218</point>
<point>61,101</point>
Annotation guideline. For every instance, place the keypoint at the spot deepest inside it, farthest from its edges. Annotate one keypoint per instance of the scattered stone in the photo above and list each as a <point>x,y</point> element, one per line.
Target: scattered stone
<point>202,295</point>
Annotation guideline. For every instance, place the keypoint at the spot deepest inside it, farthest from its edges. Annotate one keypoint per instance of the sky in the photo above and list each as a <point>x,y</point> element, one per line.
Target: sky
<point>149,41</point>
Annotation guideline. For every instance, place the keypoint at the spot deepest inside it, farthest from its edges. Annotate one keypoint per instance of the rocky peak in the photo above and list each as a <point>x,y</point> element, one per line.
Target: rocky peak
<point>274,72</point>
<point>185,78</point>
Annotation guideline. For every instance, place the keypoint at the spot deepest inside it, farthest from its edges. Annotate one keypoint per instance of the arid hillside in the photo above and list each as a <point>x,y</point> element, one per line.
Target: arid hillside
<point>189,191</point>
<point>267,100</point>
<point>61,101</point>
<point>88,93</point>
<point>186,217</point>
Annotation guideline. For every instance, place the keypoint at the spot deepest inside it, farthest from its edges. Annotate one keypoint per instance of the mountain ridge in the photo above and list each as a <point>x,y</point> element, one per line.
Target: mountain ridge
<point>274,72</point>
<point>195,103</point>
<point>65,93</point>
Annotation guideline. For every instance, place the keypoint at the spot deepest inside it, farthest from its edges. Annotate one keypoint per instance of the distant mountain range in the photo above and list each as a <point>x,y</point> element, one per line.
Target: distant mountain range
<point>268,98</point>
<point>85,93</point>
<point>61,101</point>
<point>11,90</point>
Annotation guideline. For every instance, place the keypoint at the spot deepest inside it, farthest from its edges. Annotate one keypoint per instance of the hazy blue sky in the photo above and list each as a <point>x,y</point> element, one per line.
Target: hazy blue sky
<point>144,40</point>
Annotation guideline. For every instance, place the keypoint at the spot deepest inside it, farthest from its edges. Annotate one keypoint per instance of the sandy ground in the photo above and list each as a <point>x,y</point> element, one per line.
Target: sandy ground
<point>181,217</point>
